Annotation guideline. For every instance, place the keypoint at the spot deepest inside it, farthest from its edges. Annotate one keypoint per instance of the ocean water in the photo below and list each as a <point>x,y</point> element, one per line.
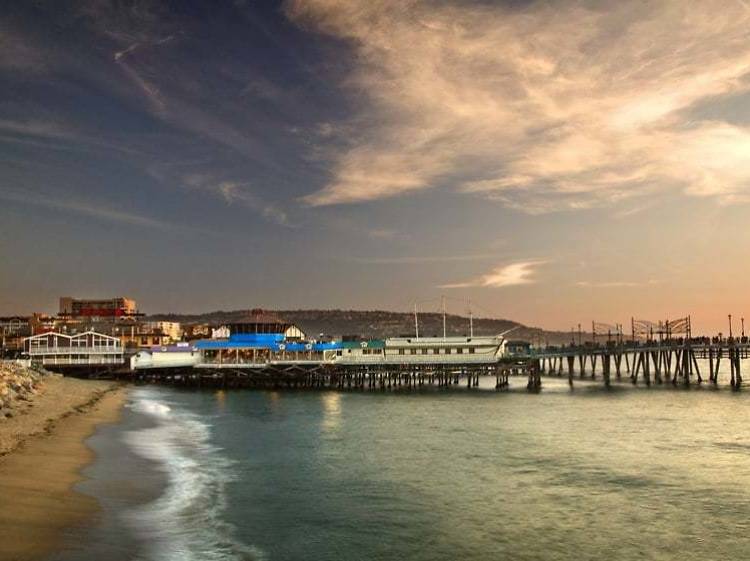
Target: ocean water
<point>587,474</point>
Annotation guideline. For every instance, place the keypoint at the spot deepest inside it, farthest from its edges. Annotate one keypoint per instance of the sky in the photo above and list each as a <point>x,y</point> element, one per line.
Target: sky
<point>554,162</point>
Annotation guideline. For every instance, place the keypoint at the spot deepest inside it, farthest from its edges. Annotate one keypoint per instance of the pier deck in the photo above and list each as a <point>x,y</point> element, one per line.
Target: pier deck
<point>671,362</point>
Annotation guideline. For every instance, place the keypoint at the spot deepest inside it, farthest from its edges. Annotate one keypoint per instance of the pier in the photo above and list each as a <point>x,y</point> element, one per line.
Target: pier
<point>656,353</point>
<point>676,362</point>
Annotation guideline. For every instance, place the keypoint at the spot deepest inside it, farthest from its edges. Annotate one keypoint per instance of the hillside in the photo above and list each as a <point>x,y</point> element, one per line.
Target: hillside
<point>377,323</point>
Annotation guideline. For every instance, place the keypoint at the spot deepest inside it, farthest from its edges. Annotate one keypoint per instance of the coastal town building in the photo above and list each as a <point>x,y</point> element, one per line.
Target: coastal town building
<point>13,330</point>
<point>140,336</point>
<point>195,331</point>
<point>172,329</point>
<point>99,308</point>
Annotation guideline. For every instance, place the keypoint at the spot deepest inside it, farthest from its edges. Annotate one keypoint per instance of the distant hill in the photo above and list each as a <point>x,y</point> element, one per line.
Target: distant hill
<point>378,323</point>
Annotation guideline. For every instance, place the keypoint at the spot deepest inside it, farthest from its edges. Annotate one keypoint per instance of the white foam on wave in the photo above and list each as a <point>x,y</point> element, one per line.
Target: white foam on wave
<point>151,407</point>
<point>186,522</point>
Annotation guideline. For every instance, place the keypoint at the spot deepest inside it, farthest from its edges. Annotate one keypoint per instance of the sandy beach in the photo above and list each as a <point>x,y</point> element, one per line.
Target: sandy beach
<point>42,452</point>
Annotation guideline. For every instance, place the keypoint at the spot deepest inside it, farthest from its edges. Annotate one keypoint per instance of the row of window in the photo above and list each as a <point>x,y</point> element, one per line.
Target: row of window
<point>55,342</point>
<point>439,350</point>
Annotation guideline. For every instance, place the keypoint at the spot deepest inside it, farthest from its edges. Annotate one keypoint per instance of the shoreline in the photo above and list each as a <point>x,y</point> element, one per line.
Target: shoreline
<point>42,454</point>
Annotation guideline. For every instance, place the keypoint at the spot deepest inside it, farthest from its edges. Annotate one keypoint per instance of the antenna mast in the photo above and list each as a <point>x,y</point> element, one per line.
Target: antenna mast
<point>416,321</point>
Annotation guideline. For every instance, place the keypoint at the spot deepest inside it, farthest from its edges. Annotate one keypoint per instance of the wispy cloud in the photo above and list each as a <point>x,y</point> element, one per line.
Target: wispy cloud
<point>237,193</point>
<point>504,275</point>
<point>86,209</point>
<point>382,234</point>
<point>230,191</point>
<point>416,259</point>
<point>542,107</point>
<point>616,284</point>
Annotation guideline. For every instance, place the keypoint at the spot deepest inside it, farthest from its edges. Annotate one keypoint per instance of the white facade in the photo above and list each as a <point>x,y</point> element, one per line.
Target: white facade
<point>220,332</point>
<point>87,348</point>
<point>429,350</point>
<point>172,329</point>
<point>166,357</point>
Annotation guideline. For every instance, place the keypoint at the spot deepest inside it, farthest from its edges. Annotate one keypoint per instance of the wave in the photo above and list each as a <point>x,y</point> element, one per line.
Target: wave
<point>186,522</point>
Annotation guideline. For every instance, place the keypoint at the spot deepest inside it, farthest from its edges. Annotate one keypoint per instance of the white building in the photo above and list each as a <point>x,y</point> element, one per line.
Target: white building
<point>180,355</point>
<point>58,349</point>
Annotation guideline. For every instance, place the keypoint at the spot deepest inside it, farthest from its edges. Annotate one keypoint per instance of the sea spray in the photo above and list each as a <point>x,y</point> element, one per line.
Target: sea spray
<point>185,523</point>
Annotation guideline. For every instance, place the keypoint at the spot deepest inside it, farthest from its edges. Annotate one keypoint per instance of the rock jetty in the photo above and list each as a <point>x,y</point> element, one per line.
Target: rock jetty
<point>18,385</point>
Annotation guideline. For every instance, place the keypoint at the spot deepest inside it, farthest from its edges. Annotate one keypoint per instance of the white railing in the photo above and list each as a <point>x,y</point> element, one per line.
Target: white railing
<point>469,358</point>
<point>74,350</point>
<point>69,360</point>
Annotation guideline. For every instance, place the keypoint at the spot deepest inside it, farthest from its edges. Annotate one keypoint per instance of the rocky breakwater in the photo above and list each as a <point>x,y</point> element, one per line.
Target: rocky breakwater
<point>18,385</point>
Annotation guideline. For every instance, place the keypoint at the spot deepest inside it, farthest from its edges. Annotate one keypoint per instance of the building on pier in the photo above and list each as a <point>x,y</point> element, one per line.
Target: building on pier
<point>516,347</point>
<point>174,356</point>
<point>84,349</point>
<point>422,350</point>
<point>261,349</point>
<point>260,322</point>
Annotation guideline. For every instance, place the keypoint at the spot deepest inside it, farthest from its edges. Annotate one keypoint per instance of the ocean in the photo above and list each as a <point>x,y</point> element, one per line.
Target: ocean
<point>588,474</point>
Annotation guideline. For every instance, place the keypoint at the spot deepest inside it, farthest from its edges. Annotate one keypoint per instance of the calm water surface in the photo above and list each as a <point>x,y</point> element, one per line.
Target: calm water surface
<point>628,473</point>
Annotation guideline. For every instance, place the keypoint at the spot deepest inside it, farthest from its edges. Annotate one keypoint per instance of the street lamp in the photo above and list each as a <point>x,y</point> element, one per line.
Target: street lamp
<point>730,326</point>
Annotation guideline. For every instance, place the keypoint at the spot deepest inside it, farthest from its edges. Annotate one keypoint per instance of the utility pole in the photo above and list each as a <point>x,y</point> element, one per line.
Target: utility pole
<point>743,327</point>
<point>579,334</point>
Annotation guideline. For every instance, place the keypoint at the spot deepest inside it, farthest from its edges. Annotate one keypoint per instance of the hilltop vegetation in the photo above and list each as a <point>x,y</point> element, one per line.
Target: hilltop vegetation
<point>377,323</point>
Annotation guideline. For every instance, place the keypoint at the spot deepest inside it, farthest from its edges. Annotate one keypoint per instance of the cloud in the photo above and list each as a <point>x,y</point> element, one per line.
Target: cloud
<point>86,209</point>
<point>502,276</point>
<point>236,193</point>
<point>616,284</point>
<point>546,106</point>
<point>409,260</point>
<point>232,192</point>
<point>382,234</point>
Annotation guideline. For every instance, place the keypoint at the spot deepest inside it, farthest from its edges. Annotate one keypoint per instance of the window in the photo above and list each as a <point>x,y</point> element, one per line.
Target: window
<point>401,351</point>
<point>413,351</point>
<point>424,351</point>
<point>471,350</point>
<point>459,351</point>
<point>448,351</point>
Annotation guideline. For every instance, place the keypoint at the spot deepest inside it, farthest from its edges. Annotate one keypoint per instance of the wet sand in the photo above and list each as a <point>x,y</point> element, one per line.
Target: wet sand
<point>42,452</point>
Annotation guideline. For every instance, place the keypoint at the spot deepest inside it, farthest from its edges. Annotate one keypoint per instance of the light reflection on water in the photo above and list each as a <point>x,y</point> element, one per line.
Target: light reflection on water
<point>331,411</point>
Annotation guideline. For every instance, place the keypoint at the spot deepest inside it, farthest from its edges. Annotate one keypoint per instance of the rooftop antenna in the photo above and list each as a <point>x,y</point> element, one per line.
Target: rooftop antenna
<point>442,300</point>
<point>416,321</point>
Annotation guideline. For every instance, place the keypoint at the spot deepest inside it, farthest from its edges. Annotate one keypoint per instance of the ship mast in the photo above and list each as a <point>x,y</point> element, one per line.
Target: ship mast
<point>471,320</point>
<point>416,321</point>
<point>442,299</point>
